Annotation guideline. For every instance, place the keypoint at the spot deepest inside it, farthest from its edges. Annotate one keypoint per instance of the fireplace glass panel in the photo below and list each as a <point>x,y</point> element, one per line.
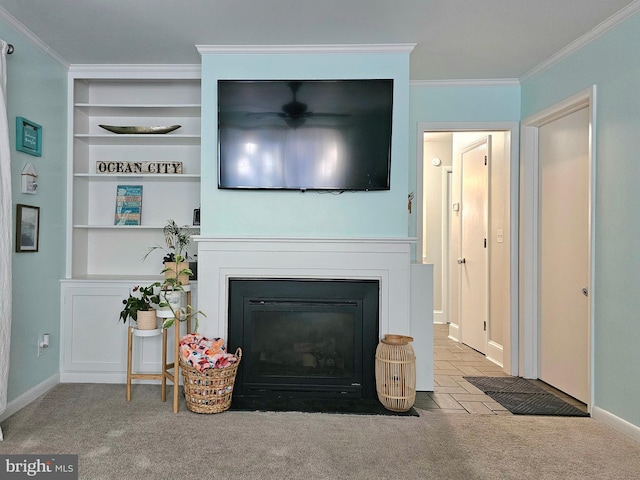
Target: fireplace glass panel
<point>313,338</point>
<point>296,341</point>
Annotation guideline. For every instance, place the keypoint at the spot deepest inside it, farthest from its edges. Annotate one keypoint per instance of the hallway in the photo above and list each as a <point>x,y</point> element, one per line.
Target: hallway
<point>452,394</point>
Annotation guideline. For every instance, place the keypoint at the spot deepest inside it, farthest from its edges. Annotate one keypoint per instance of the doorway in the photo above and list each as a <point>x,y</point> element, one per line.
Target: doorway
<point>438,228</point>
<point>557,213</point>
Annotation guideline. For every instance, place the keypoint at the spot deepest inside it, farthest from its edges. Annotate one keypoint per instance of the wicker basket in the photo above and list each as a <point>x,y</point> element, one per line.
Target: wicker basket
<point>209,391</point>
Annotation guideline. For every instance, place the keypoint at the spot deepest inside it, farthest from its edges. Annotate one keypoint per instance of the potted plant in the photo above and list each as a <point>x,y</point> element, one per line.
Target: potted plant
<point>176,273</point>
<point>177,240</point>
<point>139,307</point>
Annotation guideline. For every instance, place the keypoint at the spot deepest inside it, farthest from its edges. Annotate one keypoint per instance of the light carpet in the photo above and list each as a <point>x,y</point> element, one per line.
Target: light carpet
<point>143,439</point>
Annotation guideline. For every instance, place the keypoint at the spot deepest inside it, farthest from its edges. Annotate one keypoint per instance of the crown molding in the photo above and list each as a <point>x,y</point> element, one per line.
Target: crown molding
<point>14,23</point>
<point>489,82</point>
<point>587,38</point>
<point>306,49</point>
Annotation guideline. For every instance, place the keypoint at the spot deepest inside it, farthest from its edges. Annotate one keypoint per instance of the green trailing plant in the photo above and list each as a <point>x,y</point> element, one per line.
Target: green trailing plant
<point>177,241</point>
<point>142,298</point>
<point>182,313</point>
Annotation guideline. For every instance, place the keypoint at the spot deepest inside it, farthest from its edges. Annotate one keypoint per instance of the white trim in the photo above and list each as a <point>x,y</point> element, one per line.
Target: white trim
<point>29,396</point>
<point>31,37</point>
<point>454,332</point>
<point>495,353</point>
<point>306,49</point>
<point>512,366</point>
<point>530,226</point>
<point>445,260</point>
<point>585,39</point>
<point>615,422</point>
<point>479,82</point>
<point>529,272</point>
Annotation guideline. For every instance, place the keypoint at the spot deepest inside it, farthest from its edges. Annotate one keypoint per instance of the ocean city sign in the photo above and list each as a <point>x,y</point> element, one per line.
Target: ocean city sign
<point>139,168</point>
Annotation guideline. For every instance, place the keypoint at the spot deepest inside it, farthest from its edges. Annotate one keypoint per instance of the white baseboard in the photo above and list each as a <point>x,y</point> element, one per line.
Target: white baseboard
<point>495,353</point>
<point>616,423</point>
<point>29,396</point>
<point>454,332</point>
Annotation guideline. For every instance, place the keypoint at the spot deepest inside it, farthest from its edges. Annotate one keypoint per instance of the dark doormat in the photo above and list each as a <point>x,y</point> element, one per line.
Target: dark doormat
<point>522,397</point>
<point>318,405</point>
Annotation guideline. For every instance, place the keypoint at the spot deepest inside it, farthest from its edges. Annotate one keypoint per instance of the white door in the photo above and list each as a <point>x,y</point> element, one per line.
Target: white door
<point>564,254</point>
<point>473,261</point>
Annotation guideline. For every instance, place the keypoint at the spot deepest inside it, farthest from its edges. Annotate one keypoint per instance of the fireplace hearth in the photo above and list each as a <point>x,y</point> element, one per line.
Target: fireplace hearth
<point>304,338</point>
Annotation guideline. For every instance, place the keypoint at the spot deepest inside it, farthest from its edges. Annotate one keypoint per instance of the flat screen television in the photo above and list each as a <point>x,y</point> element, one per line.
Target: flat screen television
<point>305,134</point>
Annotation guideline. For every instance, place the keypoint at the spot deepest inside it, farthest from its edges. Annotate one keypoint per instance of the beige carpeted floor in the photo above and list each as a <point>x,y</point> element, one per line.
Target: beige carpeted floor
<point>143,439</point>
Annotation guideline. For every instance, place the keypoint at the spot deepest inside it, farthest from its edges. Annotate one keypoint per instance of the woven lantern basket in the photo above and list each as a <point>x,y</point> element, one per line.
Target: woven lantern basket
<point>396,373</point>
<point>209,391</point>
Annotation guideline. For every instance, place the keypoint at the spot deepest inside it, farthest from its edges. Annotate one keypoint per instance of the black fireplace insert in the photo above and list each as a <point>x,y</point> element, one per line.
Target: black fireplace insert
<point>304,338</point>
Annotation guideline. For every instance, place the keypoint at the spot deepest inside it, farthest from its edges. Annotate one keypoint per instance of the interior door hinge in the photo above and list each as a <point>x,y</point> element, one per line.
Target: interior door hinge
<point>484,325</point>
<point>485,243</point>
<point>485,159</point>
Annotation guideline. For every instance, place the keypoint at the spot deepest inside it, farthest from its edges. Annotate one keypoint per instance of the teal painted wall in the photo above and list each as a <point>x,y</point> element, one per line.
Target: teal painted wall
<point>37,90</point>
<point>309,214</point>
<point>611,63</point>
<point>459,104</point>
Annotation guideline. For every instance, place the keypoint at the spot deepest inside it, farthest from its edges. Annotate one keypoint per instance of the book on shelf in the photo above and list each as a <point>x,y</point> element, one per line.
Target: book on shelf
<point>128,205</point>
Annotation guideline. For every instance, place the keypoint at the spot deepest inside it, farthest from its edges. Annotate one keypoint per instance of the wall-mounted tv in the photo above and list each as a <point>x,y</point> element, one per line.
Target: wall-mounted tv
<point>305,134</point>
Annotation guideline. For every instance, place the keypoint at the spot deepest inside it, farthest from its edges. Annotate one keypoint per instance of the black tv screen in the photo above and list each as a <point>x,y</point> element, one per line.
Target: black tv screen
<point>305,134</point>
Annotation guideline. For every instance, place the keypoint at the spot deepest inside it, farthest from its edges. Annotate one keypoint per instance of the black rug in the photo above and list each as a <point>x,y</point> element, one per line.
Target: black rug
<point>522,397</point>
<point>318,405</point>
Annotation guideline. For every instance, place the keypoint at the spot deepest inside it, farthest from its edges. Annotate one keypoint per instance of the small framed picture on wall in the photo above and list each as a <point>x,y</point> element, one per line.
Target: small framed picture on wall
<point>28,137</point>
<point>27,228</point>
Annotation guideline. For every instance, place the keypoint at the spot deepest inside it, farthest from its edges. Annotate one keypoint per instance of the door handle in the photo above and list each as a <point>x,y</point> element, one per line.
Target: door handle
<point>585,292</point>
<point>461,260</point>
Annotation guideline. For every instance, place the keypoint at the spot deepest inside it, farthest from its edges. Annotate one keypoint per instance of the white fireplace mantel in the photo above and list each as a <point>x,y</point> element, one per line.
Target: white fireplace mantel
<point>387,260</point>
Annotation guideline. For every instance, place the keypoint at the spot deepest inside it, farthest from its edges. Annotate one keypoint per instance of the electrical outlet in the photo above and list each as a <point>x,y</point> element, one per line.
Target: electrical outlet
<point>43,343</point>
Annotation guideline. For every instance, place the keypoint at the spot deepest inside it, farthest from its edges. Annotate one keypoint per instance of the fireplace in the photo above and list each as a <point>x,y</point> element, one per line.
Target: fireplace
<point>304,337</point>
<point>405,291</point>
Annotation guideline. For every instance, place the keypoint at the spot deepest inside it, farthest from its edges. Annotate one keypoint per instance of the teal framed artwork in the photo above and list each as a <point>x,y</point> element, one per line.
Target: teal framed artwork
<point>28,137</point>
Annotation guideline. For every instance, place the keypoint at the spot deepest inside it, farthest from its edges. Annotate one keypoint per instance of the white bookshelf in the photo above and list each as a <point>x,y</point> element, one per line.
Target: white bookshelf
<point>129,96</point>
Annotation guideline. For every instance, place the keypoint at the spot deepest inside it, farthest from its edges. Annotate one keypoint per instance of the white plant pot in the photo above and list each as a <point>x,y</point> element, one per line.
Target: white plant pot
<point>173,298</point>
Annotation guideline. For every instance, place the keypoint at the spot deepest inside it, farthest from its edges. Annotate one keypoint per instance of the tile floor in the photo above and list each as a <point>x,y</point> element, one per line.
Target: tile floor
<point>453,394</point>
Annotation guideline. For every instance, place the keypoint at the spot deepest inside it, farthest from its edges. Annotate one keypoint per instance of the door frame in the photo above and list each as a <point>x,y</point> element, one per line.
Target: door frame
<point>447,184</point>
<point>511,348</point>
<point>530,228</point>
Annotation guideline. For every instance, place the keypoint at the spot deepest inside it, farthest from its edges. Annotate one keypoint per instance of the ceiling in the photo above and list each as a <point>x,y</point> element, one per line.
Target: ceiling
<point>455,39</point>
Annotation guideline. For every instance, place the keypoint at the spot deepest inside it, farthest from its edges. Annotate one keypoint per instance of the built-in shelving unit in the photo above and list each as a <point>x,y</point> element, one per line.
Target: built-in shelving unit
<point>96,247</point>
<point>103,260</point>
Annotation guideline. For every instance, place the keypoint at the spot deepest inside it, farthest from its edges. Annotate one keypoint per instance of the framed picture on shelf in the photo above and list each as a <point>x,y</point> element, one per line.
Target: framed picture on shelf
<point>28,137</point>
<point>27,228</point>
<point>128,205</point>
